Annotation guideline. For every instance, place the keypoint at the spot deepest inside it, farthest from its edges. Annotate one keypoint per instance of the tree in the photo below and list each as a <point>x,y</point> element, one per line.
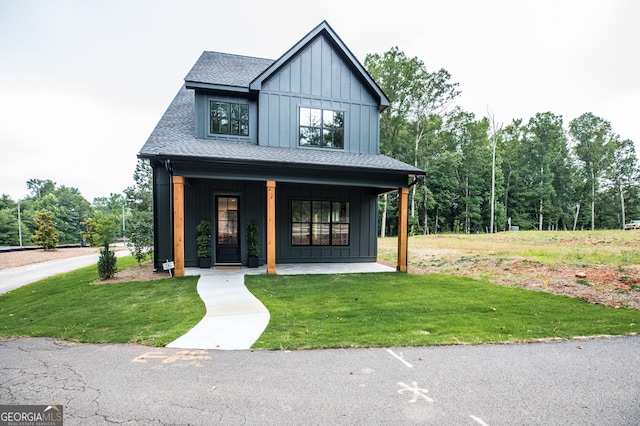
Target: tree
<point>73,209</point>
<point>415,95</point>
<point>594,147</point>
<point>116,205</point>
<point>401,79</point>
<point>545,145</point>
<point>624,173</point>
<point>139,200</point>
<point>68,208</point>
<point>495,129</point>
<point>101,228</point>
<point>46,234</point>
<point>468,136</point>
<point>444,187</point>
<point>40,187</point>
<point>434,95</point>
<point>8,222</point>
<point>509,144</point>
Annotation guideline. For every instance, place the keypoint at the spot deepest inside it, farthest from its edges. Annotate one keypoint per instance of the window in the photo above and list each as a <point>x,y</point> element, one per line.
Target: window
<point>321,127</point>
<point>319,223</point>
<point>229,119</point>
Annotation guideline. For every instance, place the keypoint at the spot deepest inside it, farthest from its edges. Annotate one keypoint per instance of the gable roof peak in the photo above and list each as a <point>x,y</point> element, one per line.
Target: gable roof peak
<point>323,29</point>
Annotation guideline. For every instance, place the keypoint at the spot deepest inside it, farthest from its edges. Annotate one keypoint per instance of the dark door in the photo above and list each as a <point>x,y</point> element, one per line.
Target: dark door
<point>227,231</point>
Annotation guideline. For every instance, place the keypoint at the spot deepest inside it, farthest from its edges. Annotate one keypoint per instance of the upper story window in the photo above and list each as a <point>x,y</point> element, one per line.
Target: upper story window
<point>229,118</point>
<point>321,127</point>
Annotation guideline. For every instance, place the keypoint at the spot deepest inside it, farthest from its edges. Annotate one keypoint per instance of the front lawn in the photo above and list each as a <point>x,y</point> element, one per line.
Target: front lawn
<point>69,307</point>
<point>394,309</point>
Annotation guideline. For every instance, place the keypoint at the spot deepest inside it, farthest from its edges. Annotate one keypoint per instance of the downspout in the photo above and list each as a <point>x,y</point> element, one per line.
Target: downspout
<point>415,180</point>
<point>169,168</point>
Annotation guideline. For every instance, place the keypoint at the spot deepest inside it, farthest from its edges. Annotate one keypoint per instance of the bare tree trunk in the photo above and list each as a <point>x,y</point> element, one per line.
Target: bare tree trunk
<point>506,197</point>
<point>425,231</point>
<point>435,224</point>
<point>413,207</point>
<point>540,210</point>
<point>493,187</point>
<point>593,200</point>
<point>540,216</point>
<point>419,135</point>
<point>622,206</point>
<point>467,219</point>
<point>383,224</point>
<point>495,130</point>
<point>575,220</point>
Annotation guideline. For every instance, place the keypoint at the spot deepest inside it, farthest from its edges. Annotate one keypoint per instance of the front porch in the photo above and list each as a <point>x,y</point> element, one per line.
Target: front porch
<point>276,219</point>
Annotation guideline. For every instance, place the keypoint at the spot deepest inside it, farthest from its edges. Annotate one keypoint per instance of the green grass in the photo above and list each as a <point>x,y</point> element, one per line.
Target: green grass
<point>394,309</point>
<point>69,307</point>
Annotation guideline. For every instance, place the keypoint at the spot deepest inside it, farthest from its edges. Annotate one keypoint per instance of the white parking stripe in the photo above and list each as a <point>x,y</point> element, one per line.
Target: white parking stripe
<point>400,358</point>
<point>479,420</point>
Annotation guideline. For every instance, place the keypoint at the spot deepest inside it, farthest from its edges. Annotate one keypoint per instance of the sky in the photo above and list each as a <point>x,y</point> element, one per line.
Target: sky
<point>84,82</point>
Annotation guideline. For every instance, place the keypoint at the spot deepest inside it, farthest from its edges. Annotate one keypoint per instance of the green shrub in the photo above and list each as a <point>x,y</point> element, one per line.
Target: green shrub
<point>106,263</point>
<point>204,239</point>
<point>252,239</point>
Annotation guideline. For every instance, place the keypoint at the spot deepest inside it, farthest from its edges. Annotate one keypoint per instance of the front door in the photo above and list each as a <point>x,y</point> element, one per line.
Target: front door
<point>227,230</point>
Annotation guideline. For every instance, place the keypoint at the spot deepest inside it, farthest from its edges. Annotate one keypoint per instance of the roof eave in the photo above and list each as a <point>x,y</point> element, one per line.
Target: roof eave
<point>248,162</point>
<point>218,87</point>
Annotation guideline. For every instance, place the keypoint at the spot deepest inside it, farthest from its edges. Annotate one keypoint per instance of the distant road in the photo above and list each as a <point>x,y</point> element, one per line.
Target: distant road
<point>12,278</point>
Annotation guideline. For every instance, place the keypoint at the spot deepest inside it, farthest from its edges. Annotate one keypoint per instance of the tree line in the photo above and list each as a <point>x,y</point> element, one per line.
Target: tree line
<point>52,215</point>
<point>483,176</point>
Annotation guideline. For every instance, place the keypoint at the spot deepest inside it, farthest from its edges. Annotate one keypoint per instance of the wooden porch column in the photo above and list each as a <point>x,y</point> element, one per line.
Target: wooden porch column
<point>271,227</point>
<point>403,227</point>
<point>178,225</point>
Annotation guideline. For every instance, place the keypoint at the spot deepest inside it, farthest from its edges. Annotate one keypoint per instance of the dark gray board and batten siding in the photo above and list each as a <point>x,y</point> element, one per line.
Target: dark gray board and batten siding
<point>331,85</point>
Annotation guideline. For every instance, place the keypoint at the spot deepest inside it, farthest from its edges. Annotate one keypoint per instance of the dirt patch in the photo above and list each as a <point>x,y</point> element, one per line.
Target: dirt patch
<point>14,259</point>
<point>142,272</point>
<point>613,286</point>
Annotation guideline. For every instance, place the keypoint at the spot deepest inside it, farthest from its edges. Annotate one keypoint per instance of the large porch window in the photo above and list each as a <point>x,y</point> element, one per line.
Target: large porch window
<point>319,223</point>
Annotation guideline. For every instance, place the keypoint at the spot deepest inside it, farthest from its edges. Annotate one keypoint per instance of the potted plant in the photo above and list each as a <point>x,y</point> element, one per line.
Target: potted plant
<point>252,242</point>
<point>204,243</point>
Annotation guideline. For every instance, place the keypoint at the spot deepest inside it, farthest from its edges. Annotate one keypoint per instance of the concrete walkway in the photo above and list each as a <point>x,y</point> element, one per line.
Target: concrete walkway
<point>235,318</point>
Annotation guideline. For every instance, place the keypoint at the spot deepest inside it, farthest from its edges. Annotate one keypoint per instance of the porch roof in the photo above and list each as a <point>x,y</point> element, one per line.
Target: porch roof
<point>173,138</point>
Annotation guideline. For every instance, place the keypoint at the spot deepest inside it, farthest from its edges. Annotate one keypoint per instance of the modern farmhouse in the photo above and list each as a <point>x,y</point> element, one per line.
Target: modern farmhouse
<point>290,144</point>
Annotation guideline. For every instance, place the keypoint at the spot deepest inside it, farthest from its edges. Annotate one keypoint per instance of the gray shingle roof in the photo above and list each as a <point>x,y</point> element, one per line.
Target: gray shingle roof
<point>227,70</point>
<point>174,137</point>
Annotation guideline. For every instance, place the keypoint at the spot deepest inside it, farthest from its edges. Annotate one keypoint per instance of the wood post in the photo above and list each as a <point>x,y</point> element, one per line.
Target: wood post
<point>271,227</point>
<point>178,225</point>
<point>403,226</point>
